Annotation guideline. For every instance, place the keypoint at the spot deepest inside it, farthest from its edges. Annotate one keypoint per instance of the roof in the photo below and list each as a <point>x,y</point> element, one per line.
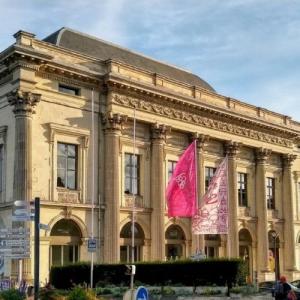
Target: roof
<point>92,46</point>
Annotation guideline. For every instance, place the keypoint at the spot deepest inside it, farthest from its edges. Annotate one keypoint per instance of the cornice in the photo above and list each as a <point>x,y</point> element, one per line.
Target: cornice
<point>195,115</point>
<point>195,106</point>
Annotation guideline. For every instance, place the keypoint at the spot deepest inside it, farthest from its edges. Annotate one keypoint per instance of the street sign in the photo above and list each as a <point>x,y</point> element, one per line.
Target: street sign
<point>15,230</point>
<point>141,293</point>
<point>11,243</point>
<point>19,203</point>
<point>92,245</point>
<point>22,218</point>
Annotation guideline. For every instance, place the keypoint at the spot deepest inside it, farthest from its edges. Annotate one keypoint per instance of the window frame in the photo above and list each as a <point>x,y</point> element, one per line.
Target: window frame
<point>129,190</point>
<point>270,192</point>
<point>1,167</point>
<point>242,188</point>
<point>67,169</point>
<point>171,167</point>
<point>3,136</point>
<point>68,90</point>
<point>209,173</point>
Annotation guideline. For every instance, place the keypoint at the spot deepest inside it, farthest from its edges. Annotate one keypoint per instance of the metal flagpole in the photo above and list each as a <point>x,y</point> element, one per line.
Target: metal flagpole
<point>93,187</point>
<point>134,186</point>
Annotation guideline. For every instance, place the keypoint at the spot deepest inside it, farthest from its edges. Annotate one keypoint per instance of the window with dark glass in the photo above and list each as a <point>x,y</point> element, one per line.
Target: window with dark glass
<point>69,90</point>
<point>171,168</point>
<point>270,193</point>
<point>1,167</point>
<point>67,166</point>
<point>132,174</point>
<point>209,173</point>
<point>242,189</point>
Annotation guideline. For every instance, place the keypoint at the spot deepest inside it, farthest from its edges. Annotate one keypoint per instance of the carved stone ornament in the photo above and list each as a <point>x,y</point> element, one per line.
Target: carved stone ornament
<point>174,111</point>
<point>113,121</point>
<point>67,212</point>
<point>158,131</point>
<point>231,148</point>
<point>288,160</point>
<point>202,139</point>
<point>24,102</point>
<point>262,155</point>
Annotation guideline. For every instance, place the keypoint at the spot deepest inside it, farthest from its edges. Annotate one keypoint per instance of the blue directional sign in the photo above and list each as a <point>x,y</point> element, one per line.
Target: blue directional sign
<point>141,293</point>
<point>92,245</point>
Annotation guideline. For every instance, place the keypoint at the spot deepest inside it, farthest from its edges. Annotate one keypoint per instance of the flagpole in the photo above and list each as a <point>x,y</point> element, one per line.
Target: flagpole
<point>196,239</point>
<point>133,202</point>
<point>228,244</point>
<point>93,188</point>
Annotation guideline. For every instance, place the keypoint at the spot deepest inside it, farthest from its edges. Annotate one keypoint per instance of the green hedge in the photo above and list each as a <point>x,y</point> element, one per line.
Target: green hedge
<point>188,273</point>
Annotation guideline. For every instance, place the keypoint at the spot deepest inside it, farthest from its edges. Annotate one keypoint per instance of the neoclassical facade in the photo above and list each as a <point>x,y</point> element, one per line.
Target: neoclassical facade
<point>49,148</point>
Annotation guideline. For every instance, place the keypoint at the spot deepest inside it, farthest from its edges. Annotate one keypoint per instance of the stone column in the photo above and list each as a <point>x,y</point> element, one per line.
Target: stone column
<point>23,107</point>
<point>112,189</point>
<point>262,213</point>
<point>231,149</point>
<point>288,213</point>
<point>157,191</point>
<point>198,241</point>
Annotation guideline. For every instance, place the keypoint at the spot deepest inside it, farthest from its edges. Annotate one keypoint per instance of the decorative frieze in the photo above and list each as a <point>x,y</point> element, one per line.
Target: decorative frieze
<point>174,111</point>
<point>24,102</point>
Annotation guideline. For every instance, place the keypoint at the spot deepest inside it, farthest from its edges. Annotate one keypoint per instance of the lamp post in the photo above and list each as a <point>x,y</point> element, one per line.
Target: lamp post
<point>275,236</point>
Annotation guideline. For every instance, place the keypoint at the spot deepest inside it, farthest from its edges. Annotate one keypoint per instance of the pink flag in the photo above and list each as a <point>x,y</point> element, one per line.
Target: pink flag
<point>181,190</point>
<point>212,217</point>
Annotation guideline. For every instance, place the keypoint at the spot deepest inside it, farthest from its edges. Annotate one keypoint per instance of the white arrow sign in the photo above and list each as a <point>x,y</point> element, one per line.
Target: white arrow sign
<point>21,203</point>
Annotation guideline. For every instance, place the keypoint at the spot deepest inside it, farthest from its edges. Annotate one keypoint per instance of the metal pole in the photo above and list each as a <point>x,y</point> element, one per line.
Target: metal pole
<point>36,247</point>
<point>93,187</point>
<point>133,206</point>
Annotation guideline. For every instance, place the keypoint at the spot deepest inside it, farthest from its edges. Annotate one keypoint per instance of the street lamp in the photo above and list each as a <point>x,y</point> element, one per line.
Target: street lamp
<point>275,236</point>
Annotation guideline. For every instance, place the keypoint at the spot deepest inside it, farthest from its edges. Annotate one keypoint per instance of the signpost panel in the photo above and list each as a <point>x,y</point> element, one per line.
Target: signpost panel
<point>92,245</point>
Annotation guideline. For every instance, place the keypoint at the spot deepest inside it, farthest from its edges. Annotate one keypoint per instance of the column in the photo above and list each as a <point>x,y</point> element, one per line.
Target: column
<point>23,104</point>
<point>112,189</point>
<point>23,107</point>
<point>198,241</point>
<point>157,191</point>
<point>288,213</point>
<point>261,213</point>
<point>231,149</point>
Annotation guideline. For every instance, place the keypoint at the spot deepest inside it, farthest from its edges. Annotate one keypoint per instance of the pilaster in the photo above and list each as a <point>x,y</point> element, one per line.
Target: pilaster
<point>112,132</point>
<point>158,136</point>
<point>261,211</point>
<point>288,209</point>
<point>231,149</point>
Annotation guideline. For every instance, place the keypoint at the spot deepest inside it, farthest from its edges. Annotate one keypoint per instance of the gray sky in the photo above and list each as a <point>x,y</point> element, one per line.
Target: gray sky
<point>246,49</point>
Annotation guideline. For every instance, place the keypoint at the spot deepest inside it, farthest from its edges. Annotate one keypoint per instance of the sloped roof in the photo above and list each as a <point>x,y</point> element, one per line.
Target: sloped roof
<point>92,46</point>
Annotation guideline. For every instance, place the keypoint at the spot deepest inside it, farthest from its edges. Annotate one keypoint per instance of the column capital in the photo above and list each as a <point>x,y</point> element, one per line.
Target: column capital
<point>113,121</point>
<point>23,102</point>
<point>262,154</point>
<point>159,131</point>
<point>231,148</point>
<point>288,160</point>
<point>296,175</point>
<point>200,138</point>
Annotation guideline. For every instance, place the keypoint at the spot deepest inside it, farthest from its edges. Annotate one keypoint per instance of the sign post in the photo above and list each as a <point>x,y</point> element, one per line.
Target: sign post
<point>36,247</point>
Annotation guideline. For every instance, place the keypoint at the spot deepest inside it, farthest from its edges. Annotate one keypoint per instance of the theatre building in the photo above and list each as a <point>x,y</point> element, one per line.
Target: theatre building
<point>67,110</point>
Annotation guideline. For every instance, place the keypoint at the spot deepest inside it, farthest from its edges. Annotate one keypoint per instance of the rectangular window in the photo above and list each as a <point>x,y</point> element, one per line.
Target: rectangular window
<point>1,166</point>
<point>270,193</point>
<point>69,90</point>
<point>67,166</point>
<point>242,189</point>
<point>209,173</point>
<point>171,168</point>
<point>132,174</point>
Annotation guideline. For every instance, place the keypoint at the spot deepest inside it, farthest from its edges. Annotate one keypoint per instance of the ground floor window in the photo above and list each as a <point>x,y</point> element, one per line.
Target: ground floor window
<point>62,255</point>
<point>175,242</point>
<point>126,253</point>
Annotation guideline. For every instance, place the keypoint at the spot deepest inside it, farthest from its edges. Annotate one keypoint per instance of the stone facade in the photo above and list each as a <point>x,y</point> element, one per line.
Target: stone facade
<point>46,96</point>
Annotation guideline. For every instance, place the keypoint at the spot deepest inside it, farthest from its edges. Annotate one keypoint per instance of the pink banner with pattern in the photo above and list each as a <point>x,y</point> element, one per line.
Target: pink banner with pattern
<point>182,190</point>
<point>212,217</point>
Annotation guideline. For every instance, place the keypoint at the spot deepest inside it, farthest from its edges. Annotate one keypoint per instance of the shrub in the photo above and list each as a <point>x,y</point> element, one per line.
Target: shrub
<point>80,294</point>
<point>11,294</point>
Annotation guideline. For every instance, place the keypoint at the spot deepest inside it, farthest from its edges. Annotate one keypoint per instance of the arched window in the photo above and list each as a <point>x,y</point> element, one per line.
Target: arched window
<point>126,242</point>
<point>65,241</point>
<point>175,242</point>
